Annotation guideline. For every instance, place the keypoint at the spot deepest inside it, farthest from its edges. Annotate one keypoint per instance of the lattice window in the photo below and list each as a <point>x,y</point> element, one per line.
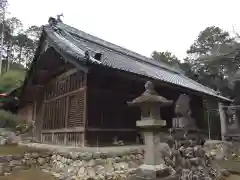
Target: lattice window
<point>54,114</point>
<point>75,138</point>
<point>76,110</point>
<point>58,138</point>
<point>46,137</point>
<point>76,81</point>
<point>56,103</point>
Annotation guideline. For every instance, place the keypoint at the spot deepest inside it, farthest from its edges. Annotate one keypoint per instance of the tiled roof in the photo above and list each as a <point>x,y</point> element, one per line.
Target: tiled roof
<point>76,43</point>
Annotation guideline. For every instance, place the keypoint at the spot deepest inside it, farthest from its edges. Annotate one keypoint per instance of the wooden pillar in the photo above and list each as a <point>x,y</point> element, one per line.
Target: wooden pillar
<point>66,119</point>
<point>222,120</point>
<point>84,140</point>
<point>34,123</point>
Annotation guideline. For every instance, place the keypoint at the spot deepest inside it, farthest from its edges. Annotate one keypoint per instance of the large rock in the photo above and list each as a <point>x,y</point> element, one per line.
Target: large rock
<point>12,138</point>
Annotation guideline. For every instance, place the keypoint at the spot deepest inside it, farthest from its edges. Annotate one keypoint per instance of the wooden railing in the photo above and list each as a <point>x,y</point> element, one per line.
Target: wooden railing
<point>72,138</point>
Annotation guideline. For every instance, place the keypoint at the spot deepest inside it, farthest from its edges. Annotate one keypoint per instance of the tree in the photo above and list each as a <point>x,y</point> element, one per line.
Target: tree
<point>207,41</point>
<point>204,59</point>
<point>166,57</point>
<point>34,32</point>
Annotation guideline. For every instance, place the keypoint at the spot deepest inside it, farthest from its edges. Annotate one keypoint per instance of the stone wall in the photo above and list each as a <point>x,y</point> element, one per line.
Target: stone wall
<point>222,149</point>
<point>74,165</point>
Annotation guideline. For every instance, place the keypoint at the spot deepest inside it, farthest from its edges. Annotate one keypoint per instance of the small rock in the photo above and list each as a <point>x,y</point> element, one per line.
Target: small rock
<point>41,161</point>
<point>35,155</point>
<point>96,155</point>
<point>81,172</point>
<point>100,161</point>
<point>139,156</point>
<point>74,156</point>
<point>132,157</point>
<point>69,161</point>
<point>104,155</point>
<point>17,157</point>
<point>58,158</point>
<point>8,158</point>
<point>91,172</point>
<point>86,156</point>
<point>79,163</point>
<point>15,163</point>
<point>132,164</point>
<point>134,151</point>
<point>112,154</point>
<point>194,161</point>
<point>91,163</point>
<point>117,159</point>
<point>127,158</point>
<point>54,157</point>
<point>57,175</point>
<point>120,166</point>
<point>99,169</point>
<point>225,173</point>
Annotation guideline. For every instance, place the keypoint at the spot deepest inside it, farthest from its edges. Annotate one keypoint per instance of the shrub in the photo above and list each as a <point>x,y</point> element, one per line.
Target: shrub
<point>13,122</point>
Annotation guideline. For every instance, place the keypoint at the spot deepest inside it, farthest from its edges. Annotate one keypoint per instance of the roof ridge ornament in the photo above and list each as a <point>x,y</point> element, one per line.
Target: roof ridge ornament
<point>53,21</point>
<point>59,17</point>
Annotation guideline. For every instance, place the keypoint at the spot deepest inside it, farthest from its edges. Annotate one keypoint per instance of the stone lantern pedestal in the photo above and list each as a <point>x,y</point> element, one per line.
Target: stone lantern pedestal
<point>151,124</point>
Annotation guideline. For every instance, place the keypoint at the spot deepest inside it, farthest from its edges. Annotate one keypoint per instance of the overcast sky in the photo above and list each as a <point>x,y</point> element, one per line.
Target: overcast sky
<point>139,25</point>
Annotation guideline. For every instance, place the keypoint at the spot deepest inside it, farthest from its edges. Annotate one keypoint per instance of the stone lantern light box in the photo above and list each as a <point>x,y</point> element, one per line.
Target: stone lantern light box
<point>150,103</point>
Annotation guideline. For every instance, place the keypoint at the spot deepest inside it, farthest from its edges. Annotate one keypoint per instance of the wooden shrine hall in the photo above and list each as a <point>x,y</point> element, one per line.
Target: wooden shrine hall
<point>77,88</point>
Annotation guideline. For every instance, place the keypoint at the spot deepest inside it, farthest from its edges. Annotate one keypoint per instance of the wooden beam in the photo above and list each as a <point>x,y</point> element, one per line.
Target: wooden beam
<point>66,74</point>
<point>63,95</point>
<point>111,129</point>
<point>64,130</point>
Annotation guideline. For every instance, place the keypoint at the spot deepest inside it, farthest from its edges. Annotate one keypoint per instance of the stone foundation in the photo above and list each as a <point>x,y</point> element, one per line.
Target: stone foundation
<point>74,165</point>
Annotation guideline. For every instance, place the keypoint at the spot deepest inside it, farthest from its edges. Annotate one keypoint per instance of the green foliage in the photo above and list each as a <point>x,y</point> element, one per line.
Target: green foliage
<point>13,122</point>
<point>166,57</point>
<point>207,40</point>
<point>11,79</point>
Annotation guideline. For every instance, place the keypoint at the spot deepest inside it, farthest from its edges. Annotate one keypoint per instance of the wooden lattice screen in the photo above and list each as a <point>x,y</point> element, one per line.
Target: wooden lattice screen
<point>76,110</point>
<point>64,110</point>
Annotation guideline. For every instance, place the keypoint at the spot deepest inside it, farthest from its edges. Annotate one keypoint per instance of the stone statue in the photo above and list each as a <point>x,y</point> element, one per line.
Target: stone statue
<point>183,112</point>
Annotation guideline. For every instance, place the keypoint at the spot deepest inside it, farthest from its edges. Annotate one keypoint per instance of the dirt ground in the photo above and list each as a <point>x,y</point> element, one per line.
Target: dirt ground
<point>32,174</point>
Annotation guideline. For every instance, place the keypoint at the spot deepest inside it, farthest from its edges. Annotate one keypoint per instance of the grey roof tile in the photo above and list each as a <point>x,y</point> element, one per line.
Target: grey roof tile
<point>123,59</point>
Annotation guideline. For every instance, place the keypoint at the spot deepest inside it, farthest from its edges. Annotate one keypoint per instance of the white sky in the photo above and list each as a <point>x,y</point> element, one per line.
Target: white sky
<point>139,25</point>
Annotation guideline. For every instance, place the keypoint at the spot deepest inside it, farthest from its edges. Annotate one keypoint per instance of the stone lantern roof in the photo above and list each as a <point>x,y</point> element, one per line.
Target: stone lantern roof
<point>150,96</point>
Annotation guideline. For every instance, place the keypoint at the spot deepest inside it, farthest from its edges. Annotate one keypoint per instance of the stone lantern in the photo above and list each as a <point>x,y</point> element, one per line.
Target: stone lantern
<point>150,103</point>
